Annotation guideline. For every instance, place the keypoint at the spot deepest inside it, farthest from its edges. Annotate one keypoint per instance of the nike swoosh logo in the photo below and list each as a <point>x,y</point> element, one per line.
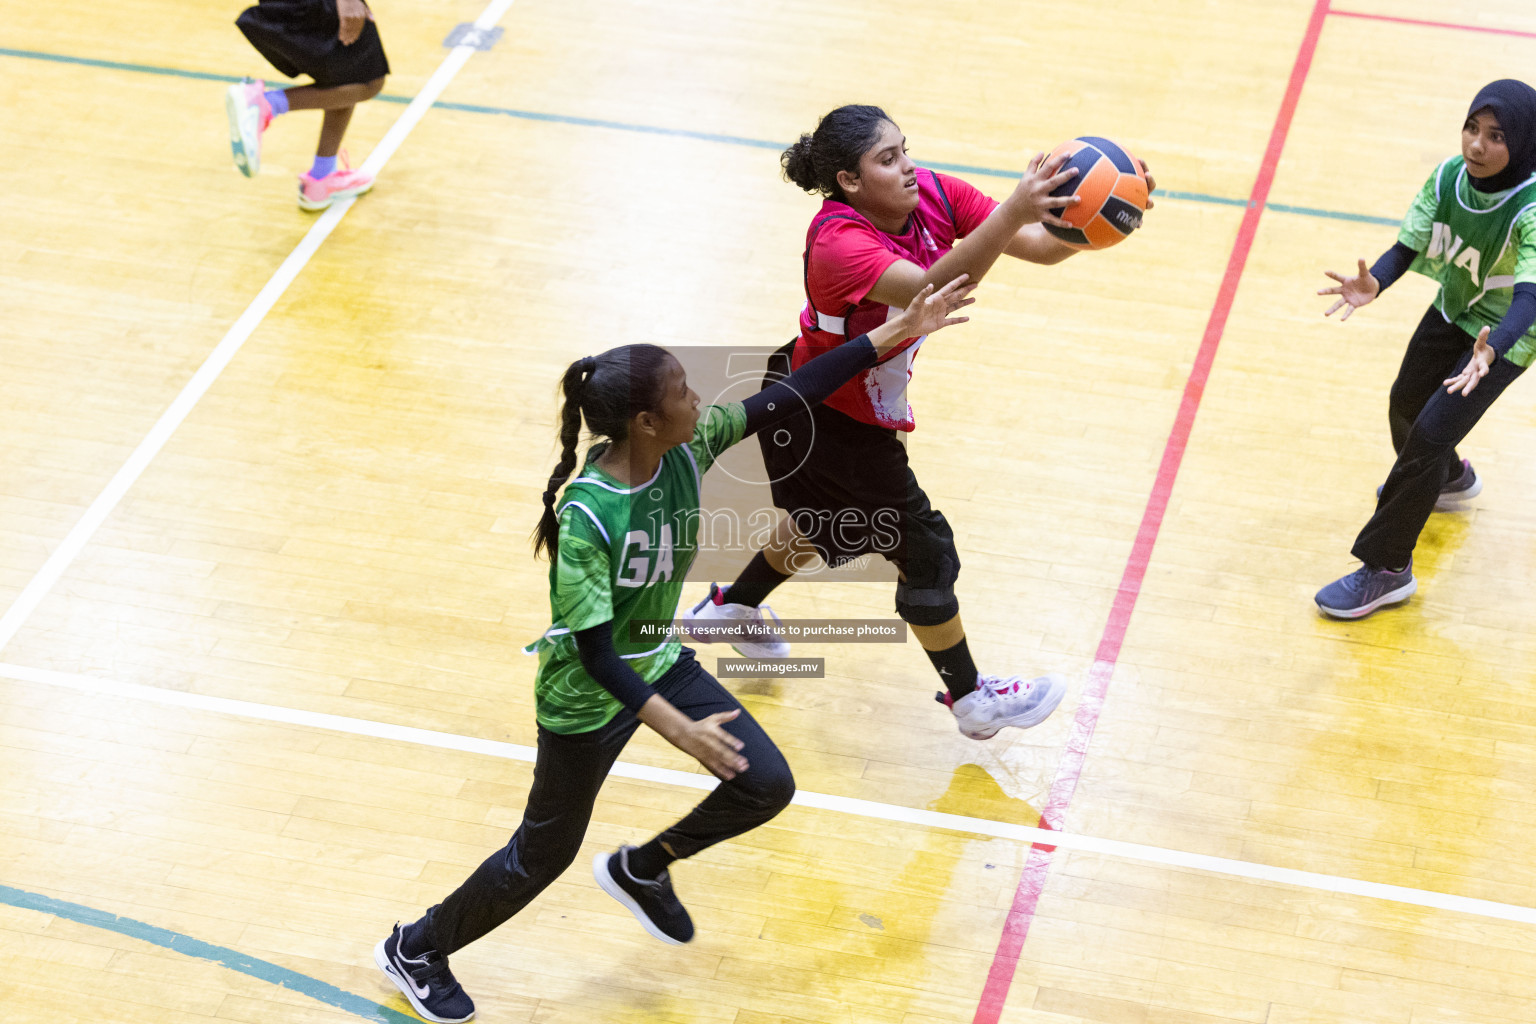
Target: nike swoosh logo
<point>421,991</point>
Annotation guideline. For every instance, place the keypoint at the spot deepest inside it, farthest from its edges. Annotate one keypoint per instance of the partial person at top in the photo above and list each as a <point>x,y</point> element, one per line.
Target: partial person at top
<point>335,43</point>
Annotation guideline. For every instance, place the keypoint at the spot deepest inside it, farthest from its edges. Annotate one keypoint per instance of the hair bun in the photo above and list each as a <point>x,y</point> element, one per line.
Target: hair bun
<point>799,164</point>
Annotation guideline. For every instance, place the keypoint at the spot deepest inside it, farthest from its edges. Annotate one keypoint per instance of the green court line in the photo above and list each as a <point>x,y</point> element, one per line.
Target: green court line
<point>684,133</point>
<point>321,991</point>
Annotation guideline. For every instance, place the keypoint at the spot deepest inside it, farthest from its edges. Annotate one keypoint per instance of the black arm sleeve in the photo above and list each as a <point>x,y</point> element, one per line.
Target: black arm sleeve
<point>1520,318</point>
<point>602,662</point>
<point>1393,264</point>
<point>812,384</point>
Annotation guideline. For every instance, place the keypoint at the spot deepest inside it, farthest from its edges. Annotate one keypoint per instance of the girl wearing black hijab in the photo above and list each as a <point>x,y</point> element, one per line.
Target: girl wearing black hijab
<point>1473,229</point>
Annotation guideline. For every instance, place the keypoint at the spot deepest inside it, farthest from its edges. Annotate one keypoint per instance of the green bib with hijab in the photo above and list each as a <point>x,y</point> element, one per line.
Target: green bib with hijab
<point>1477,236</point>
<point>1469,250</point>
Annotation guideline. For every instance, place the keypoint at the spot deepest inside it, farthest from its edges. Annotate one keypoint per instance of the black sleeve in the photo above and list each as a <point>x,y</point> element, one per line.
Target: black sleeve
<point>602,662</point>
<point>1393,264</point>
<point>1520,318</point>
<point>812,384</point>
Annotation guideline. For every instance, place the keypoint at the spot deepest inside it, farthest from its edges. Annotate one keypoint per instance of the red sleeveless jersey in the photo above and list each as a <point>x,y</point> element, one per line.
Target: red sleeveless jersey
<point>845,255</point>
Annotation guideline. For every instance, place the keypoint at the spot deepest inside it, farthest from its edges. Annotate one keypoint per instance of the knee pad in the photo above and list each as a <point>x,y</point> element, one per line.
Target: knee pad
<point>928,599</point>
<point>927,607</point>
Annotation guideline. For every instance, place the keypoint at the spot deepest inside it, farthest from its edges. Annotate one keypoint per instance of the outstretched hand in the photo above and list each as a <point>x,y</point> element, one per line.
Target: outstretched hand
<point>1146,172</point>
<point>1353,292</point>
<point>1476,369</point>
<point>930,310</point>
<point>1042,177</point>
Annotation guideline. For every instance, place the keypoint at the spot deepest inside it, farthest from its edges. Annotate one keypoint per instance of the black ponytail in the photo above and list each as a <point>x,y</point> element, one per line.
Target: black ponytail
<point>546,536</point>
<point>840,139</point>
<point>608,389</point>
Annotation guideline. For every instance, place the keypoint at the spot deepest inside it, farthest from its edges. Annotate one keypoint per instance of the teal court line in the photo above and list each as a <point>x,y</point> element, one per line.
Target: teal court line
<point>303,984</point>
<point>624,126</point>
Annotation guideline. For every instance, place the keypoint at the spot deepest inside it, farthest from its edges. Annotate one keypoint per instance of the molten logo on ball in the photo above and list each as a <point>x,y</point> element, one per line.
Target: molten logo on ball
<point>1112,190</point>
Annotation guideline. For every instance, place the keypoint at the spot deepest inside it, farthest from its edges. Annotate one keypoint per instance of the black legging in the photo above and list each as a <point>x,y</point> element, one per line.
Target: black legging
<point>1427,425</point>
<point>566,778</point>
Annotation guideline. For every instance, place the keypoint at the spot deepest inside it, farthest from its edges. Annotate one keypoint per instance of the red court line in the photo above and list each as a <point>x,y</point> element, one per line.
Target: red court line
<point>1436,24</point>
<point>1037,867</point>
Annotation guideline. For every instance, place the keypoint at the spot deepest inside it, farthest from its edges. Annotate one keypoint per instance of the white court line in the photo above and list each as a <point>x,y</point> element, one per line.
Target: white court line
<point>820,801</point>
<point>39,586</point>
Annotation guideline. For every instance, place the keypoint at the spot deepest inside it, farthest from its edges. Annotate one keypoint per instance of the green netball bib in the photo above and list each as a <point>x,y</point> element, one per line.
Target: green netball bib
<point>1471,251</point>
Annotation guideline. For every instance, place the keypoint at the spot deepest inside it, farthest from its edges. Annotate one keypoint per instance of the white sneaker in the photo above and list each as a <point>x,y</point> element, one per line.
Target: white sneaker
<point>997,703</point>
<point>711,619</point>
<point>249,114</point>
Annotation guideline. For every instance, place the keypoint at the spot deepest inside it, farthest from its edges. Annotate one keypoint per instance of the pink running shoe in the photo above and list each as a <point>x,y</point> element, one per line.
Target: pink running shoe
<point>249,114</point>
<point>342,183</point>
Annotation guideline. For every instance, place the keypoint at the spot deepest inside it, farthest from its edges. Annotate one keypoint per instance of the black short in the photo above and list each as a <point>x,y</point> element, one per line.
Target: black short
<point>298,37</point>
<point>850,491</point>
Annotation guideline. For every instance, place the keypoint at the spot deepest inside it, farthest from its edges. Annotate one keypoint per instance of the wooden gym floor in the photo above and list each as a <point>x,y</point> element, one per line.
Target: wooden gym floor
<point>259,668</point>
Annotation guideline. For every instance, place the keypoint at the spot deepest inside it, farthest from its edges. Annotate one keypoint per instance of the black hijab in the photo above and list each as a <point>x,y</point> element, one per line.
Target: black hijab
<point>1514,104</point>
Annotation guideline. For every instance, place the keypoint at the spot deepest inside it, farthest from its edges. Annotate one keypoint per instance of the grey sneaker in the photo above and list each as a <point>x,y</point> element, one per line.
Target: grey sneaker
<point>997,703</point>
<point>1366,589</point>
<point>747,629</point>
<point>1455,495</point>
<point>249,114</point>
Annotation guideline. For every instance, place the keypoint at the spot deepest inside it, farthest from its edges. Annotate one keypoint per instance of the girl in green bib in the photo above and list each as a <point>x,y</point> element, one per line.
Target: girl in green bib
<point>621,536</point>
<point>1473,230</point>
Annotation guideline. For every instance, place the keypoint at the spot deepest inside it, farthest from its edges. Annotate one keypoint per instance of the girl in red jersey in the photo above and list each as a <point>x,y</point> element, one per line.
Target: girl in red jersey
<point>886,229</point>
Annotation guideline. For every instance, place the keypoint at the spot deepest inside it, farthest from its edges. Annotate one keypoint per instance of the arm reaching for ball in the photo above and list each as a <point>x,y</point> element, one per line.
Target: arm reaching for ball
<point>1029,204</point>
<point>1034,244</point>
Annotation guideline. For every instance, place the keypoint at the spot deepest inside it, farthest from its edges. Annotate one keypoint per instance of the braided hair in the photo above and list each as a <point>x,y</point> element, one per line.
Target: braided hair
<point>608,390</point>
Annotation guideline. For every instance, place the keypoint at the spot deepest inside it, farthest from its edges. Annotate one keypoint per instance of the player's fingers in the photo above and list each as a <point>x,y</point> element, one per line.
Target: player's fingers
<point>725,756</point>
<point>1335,308</point>
<point>1347,311</point>
<point>1364,270</point>
<point>731,759</point>
<point>722,741</point>
<point>1336,276</point>
<point>726,753</point>
<point>1058,180</point>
